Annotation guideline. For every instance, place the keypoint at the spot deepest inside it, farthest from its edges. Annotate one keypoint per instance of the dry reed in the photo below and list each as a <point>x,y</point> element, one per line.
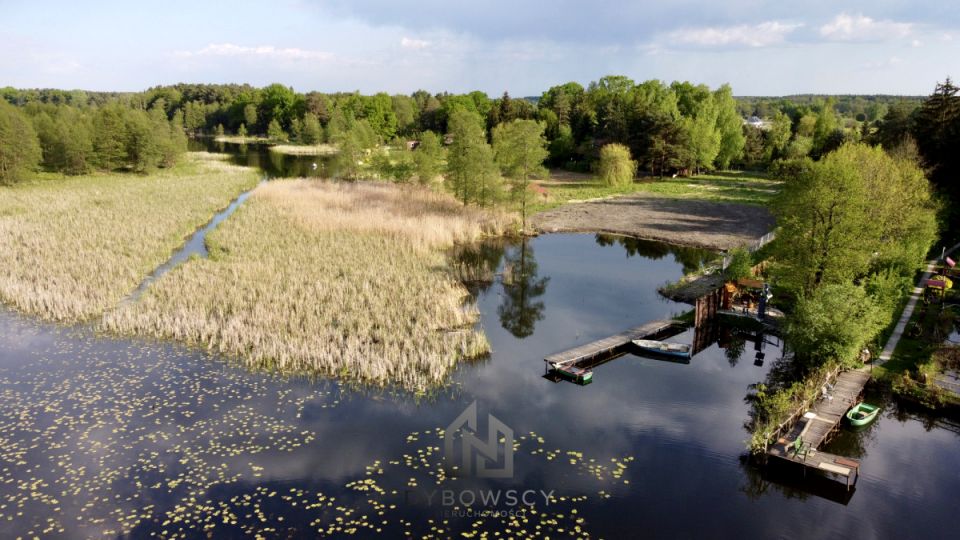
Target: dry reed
<point>348,280</point>
<point>71,248</point>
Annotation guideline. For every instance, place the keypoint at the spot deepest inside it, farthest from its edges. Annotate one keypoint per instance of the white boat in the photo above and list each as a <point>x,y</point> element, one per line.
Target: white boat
<point>679,350</point>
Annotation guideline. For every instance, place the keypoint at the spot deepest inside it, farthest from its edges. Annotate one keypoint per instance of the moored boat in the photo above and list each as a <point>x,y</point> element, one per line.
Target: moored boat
<point>573,373</point>
<point>862,414</point>
<point>679,350</point>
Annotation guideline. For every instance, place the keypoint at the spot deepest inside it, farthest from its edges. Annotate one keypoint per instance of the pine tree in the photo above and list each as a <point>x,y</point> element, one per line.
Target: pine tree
<point>19,147</point>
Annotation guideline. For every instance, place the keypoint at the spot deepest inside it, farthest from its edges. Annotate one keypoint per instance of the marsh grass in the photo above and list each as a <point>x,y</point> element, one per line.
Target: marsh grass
<point>305,149</point>
<point>71,248</point>
<point>344,280</point>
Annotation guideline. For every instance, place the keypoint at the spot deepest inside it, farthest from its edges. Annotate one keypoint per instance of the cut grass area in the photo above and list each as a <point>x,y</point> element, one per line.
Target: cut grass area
<point>73,247</point>
<point>305,149</point>
<point>345,280</point>
<point>728,186</point>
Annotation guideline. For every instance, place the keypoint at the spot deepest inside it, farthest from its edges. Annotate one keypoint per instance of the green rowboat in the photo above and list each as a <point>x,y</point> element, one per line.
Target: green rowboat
<point>575,374</point>
<point>862,414</point>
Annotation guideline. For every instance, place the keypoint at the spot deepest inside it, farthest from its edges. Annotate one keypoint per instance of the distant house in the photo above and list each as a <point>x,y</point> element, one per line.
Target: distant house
<point>757,122</point>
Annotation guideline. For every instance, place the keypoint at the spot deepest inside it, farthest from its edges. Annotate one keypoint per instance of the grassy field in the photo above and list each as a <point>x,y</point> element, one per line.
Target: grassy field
<point>73,247</point>
<point>740,187</point>
<point>305,149</point>
<point>346,280</point>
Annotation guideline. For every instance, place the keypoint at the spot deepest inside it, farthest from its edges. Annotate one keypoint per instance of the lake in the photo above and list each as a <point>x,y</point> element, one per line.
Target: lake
<point>105,436</point>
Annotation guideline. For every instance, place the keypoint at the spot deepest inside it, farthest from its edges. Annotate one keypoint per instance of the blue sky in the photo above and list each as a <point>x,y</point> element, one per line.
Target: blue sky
<point>760,48</point>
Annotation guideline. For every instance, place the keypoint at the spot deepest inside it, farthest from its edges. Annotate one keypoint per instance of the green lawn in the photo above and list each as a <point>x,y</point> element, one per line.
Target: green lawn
<point>727,186</point>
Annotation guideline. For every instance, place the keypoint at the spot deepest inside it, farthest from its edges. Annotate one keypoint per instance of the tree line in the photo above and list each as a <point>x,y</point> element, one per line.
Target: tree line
<point>75,140</point>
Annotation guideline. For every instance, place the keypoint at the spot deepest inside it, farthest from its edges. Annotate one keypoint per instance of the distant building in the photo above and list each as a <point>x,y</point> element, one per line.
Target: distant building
<point>757,122</point>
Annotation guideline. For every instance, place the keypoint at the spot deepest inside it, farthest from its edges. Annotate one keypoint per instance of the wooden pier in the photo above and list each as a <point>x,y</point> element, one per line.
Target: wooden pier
<point>608,345</point>
<point>816,426</point>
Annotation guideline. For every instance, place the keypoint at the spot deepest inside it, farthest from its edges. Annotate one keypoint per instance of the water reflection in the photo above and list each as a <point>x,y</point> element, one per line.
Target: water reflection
<point>273,164</point>
<point>522,288</point>
<point>692,259</point>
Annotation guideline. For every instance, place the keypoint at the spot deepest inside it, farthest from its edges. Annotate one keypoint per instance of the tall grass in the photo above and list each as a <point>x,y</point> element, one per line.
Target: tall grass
<point>346,280</point>
<point>71,248</point>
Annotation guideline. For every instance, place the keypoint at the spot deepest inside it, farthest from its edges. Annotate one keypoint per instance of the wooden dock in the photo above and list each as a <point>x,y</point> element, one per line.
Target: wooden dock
<point>608,345</point>
<point>816,426</point>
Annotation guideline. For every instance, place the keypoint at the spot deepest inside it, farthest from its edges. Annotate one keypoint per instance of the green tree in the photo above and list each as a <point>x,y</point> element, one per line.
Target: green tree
<point>730,126</point>
<point>250,115</point>
<point>778,137</point>
<point>220,131</point>
<point>616,167</point>
<point>471,170</point>
<point>833,323</point>
<point>844,215</point>
<point>428,157</point>
<point>312,132</point>
<point>110,137</point>
<point>194,116</point>
<point>19,147</point>
<point>280,103</point>
<point>242,130</point>
<point>275,132</point>
<point>145,140</point>
<point>519,148</point>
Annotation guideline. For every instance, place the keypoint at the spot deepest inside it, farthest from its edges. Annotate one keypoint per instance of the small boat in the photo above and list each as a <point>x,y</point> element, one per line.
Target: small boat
<point>573,373</point>
<point>679,350</point>
<point>862,414</point>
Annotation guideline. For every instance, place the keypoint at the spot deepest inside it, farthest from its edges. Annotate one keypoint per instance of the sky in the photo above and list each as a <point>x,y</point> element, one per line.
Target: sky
<point>523,47</point>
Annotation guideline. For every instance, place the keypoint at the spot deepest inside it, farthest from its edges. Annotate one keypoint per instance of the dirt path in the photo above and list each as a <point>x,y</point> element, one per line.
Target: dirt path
<point>705,224</point>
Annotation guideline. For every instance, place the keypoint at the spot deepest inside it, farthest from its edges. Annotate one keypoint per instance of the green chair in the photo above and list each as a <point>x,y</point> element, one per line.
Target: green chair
<point>800,448</point>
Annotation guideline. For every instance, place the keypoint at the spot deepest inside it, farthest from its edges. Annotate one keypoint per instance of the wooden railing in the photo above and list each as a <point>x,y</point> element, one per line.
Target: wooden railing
<point>803,407</point>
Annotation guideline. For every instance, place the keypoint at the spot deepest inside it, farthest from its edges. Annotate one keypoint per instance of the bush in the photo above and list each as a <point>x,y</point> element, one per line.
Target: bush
<point>833,324</point>
<point>741,265</point>
<point>617,168</point>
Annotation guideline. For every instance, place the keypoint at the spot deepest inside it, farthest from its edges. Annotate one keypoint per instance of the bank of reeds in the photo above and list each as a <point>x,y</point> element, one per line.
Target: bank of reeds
<point>346,280</point>
<point>305,149</point>
<point>73,247</point>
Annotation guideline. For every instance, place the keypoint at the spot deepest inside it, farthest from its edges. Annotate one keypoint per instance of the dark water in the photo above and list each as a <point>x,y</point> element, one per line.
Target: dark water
<point>140,437</point>
<point>273,164</point>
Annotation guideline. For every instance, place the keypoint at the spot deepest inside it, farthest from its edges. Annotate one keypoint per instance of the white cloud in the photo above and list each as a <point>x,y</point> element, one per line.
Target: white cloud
<point>416,44</point>
<point>764,34</point>
<point>261,51</point>
<point>846,27</point>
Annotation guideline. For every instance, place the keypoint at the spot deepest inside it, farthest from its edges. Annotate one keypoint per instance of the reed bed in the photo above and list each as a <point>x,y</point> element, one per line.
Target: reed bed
<point>305,149</point>
<point>344,280</point>
<point>72,248</point>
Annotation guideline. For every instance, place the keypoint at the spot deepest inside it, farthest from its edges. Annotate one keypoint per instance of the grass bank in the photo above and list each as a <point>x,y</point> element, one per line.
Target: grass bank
<point>740,187</point>
<point>345,280</point>
<point>305,149</point>
<point>73,247</point>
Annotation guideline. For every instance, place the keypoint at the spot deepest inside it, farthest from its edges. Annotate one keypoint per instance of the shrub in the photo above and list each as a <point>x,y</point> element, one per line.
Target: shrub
<point>616,166</point>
